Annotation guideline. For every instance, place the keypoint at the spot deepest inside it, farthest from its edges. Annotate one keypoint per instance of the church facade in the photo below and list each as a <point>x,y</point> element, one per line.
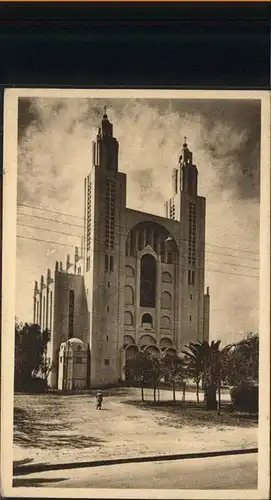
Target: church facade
<point>136,283</point>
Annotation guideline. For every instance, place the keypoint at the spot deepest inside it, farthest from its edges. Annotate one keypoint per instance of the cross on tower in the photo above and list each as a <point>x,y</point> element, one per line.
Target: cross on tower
<point>105,110</point>
<point>185,138</point>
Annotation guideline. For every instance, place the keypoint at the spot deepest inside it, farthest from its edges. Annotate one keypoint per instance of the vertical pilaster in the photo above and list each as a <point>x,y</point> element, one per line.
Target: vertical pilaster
<point>137,298</point>
<point>158,298</point>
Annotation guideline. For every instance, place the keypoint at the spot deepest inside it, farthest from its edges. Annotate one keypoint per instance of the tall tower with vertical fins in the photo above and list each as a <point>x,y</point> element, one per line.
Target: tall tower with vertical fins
<point>187,207</point>
<point>104,255</point>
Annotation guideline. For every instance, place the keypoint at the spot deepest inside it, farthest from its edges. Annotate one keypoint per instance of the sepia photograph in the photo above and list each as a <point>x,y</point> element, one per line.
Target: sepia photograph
<point>135,316</point>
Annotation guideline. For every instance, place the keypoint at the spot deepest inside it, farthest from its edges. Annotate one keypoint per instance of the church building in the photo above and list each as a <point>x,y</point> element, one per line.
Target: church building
<point>136,283</point>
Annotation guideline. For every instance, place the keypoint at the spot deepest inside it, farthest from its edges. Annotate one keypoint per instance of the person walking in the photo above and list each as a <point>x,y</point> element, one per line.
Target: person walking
<point>99,400</point>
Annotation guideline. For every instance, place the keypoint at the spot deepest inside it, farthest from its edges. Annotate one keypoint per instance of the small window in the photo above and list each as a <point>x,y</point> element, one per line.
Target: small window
<point>166,277</point>
<point>106,262</point>
<point>165,322</point>
<point>108,284</point>
<point>107,309</point>
<point>71,314</point>
<point>169,258</point>
<point>60,360</point>
<point>128,318</point>
<point>107,338</point>
<point>129,295</point>
<point>88,263</point>
<point>165,300</point>
<point>193,277</point>
<point>129,271</point>
<point>106,362</point>
<point>147,321</point>
<point>190,318</point>
<point>189,277</point>
<point>111,262</point>
<point>191,296</point>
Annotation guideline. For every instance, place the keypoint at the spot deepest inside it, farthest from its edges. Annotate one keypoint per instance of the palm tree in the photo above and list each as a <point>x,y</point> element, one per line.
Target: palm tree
<point>205,363</point>
<point>211,374</point>
<point>194,358</point>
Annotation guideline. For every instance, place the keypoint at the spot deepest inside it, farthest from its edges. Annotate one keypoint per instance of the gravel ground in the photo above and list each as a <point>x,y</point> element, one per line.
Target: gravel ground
<point>54,428</point>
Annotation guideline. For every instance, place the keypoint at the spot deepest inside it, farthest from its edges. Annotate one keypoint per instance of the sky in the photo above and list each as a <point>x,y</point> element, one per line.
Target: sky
<point>54,155</point>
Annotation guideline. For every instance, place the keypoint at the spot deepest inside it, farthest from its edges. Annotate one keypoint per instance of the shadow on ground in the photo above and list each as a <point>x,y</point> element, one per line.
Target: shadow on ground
<point>30,430</point>
<point>35,482</point>
<point>25,462</point>
<point>195,414</point>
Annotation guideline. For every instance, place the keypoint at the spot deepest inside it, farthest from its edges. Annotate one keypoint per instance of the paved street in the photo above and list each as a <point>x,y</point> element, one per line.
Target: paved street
<point>228,472</point>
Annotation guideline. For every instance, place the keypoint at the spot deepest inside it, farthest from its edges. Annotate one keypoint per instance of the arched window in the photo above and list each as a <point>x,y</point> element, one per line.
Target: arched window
<point>129,271</point>
<point>166,277</point>
<point>71,314</point>
<point>155,239</point>
<point>166,300</point>
<point>140,239</point>
<point>148,281</point>
<point>162,251</point>
<point>147,320</point>
<point>146,340</point>
<point>129,296</point>
<point>165,322</point>
<point>165,343</point>
<point>128,318</point>
<point>148,236</point>
<point>130,244</point>
<point>128,340</point>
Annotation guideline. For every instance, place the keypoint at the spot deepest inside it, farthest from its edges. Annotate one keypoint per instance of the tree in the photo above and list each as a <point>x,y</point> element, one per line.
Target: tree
<point>173,367</point>
<point>143,368</point>
<point>30,350</point>
<point>242,364</point>
<point>241,372</point>
<point>216,368</point>
<point>157,371</point>
<point>206,362</point>
<point>194,359</point>
<point>139,370</point>
<point>46,367</point>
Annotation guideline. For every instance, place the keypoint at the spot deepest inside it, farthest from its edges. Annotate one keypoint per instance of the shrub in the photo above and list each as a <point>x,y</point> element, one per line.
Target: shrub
<point>37,385</point>
<point>245,397</point>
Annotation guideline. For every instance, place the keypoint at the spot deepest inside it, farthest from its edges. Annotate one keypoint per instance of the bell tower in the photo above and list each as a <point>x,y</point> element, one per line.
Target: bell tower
<point>106,148</point>
<point>187,207</point>
<point>188,172</point>
<point>104,236</point>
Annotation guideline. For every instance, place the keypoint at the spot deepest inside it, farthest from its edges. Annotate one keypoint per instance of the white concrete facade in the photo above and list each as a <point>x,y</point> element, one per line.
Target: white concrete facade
<point>138,280</point>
